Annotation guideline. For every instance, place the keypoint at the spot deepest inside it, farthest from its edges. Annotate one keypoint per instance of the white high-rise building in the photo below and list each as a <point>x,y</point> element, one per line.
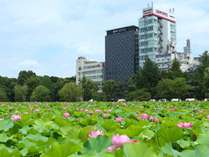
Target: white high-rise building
<point>91,70</point>
<point>157,35</point>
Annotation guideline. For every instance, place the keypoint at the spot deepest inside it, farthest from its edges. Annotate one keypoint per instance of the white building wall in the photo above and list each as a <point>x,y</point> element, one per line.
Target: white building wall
<point>91,70</point>
<point>163,40</point>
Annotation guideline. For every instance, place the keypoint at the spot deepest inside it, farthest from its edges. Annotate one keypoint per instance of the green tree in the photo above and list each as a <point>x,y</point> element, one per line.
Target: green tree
<point>112,90</point>
<point>8,85</point>
<point>175,70</point>
<point>41,94</point>
<point>70,92</point>
<point>198,78</point>
<point>32,83</point>
<point>24,76</point>
<point>139,95</point>
<point>177,88</point>
<point>89,89</point>
<point>147,77</point>
<point>20,93</point>
<point>3,95</point>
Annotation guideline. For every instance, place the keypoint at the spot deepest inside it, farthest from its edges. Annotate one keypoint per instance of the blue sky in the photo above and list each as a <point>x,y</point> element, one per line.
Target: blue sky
<point>47,36</point>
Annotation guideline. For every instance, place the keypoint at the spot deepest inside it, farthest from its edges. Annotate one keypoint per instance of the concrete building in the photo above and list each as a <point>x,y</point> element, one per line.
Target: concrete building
<point>185,58</point>
<point>91,70</point>
<point>157,35</point>
<point>121,53</point>
<point>165,60</point>
<point>157,40</point>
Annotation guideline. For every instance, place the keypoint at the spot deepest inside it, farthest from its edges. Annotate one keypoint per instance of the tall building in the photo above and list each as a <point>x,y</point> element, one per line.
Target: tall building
<point>185,57</point>
<point>121,53</point>
<point>157,35</point>
<point>187,48</point>
<point>91,70</point>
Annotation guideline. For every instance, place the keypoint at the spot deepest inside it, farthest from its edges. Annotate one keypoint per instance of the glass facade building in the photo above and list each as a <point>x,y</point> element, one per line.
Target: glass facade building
<point>157,34</point>
<point>121,53</point>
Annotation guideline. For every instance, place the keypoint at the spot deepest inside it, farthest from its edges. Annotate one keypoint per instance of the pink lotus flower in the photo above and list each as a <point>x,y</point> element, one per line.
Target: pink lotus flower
<point>119,119</point>
<point>208,117</point>
<point>66,115</point>
<point>118,141</point>
<point>15,118</point>
<point>98,111</point>
<point>184,125</point>
<point>95,134</point>
<point>144,116</point>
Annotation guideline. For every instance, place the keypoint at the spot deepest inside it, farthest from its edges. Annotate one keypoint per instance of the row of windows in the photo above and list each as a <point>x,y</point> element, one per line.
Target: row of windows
<point>152,57</point>
<point>147,36</point>
<point>147,21</point>
<point>92,72</point>
<point>148,50</point>
<point>94,77</point>
<point>146,29</point>
<point>144,43</point>
<point>92,66</point>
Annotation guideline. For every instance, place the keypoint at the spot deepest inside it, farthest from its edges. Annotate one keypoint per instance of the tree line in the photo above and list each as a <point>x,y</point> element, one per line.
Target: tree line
<point>148,83</point>
<point>152,83</point>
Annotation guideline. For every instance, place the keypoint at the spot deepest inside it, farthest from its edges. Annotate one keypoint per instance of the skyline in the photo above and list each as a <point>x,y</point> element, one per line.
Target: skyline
<point>46,36</point>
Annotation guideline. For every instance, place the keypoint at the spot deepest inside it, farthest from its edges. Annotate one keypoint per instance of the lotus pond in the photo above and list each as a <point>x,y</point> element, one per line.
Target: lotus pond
<point>135,129</point>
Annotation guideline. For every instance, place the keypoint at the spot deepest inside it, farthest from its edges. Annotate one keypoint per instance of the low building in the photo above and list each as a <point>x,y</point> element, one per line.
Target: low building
<point>195,63</point>
<point>89,69</point>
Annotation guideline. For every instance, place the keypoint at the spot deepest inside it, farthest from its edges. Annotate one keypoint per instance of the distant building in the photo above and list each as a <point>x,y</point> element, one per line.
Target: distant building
<point>121,53</point>
<point>164,61</point>
<point>157,36</point>
<point>91,70</point>
<point>195,63</point>
<point>185,58</point>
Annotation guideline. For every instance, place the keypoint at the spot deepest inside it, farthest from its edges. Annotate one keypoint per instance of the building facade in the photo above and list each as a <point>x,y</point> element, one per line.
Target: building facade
<point>121,53</point>
<point>165,60</point>
<point>91,70</point>
<point>157,35</point>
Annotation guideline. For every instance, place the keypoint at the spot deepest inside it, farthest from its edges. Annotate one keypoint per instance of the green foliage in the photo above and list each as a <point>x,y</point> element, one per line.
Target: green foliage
<point>40,93</point>
<point>89,89</point>
<point>139,95</point>
<point>112,90</point>
<point>7,152</point>
<point>175,70</point>
<point>21,93</point>
<point>177,88</point>
<point>70,92</point>
<point>98,145</point>
<point>3,95</point>
<point>5,125</point>
<point>134,150</point>
<point>44,132</point>
<point>62,150</point>
<point>148,76</point>
<point>198,78</point>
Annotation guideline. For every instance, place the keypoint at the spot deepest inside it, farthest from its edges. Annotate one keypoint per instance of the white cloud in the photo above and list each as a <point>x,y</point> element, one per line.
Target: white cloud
<point>48,35</point>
